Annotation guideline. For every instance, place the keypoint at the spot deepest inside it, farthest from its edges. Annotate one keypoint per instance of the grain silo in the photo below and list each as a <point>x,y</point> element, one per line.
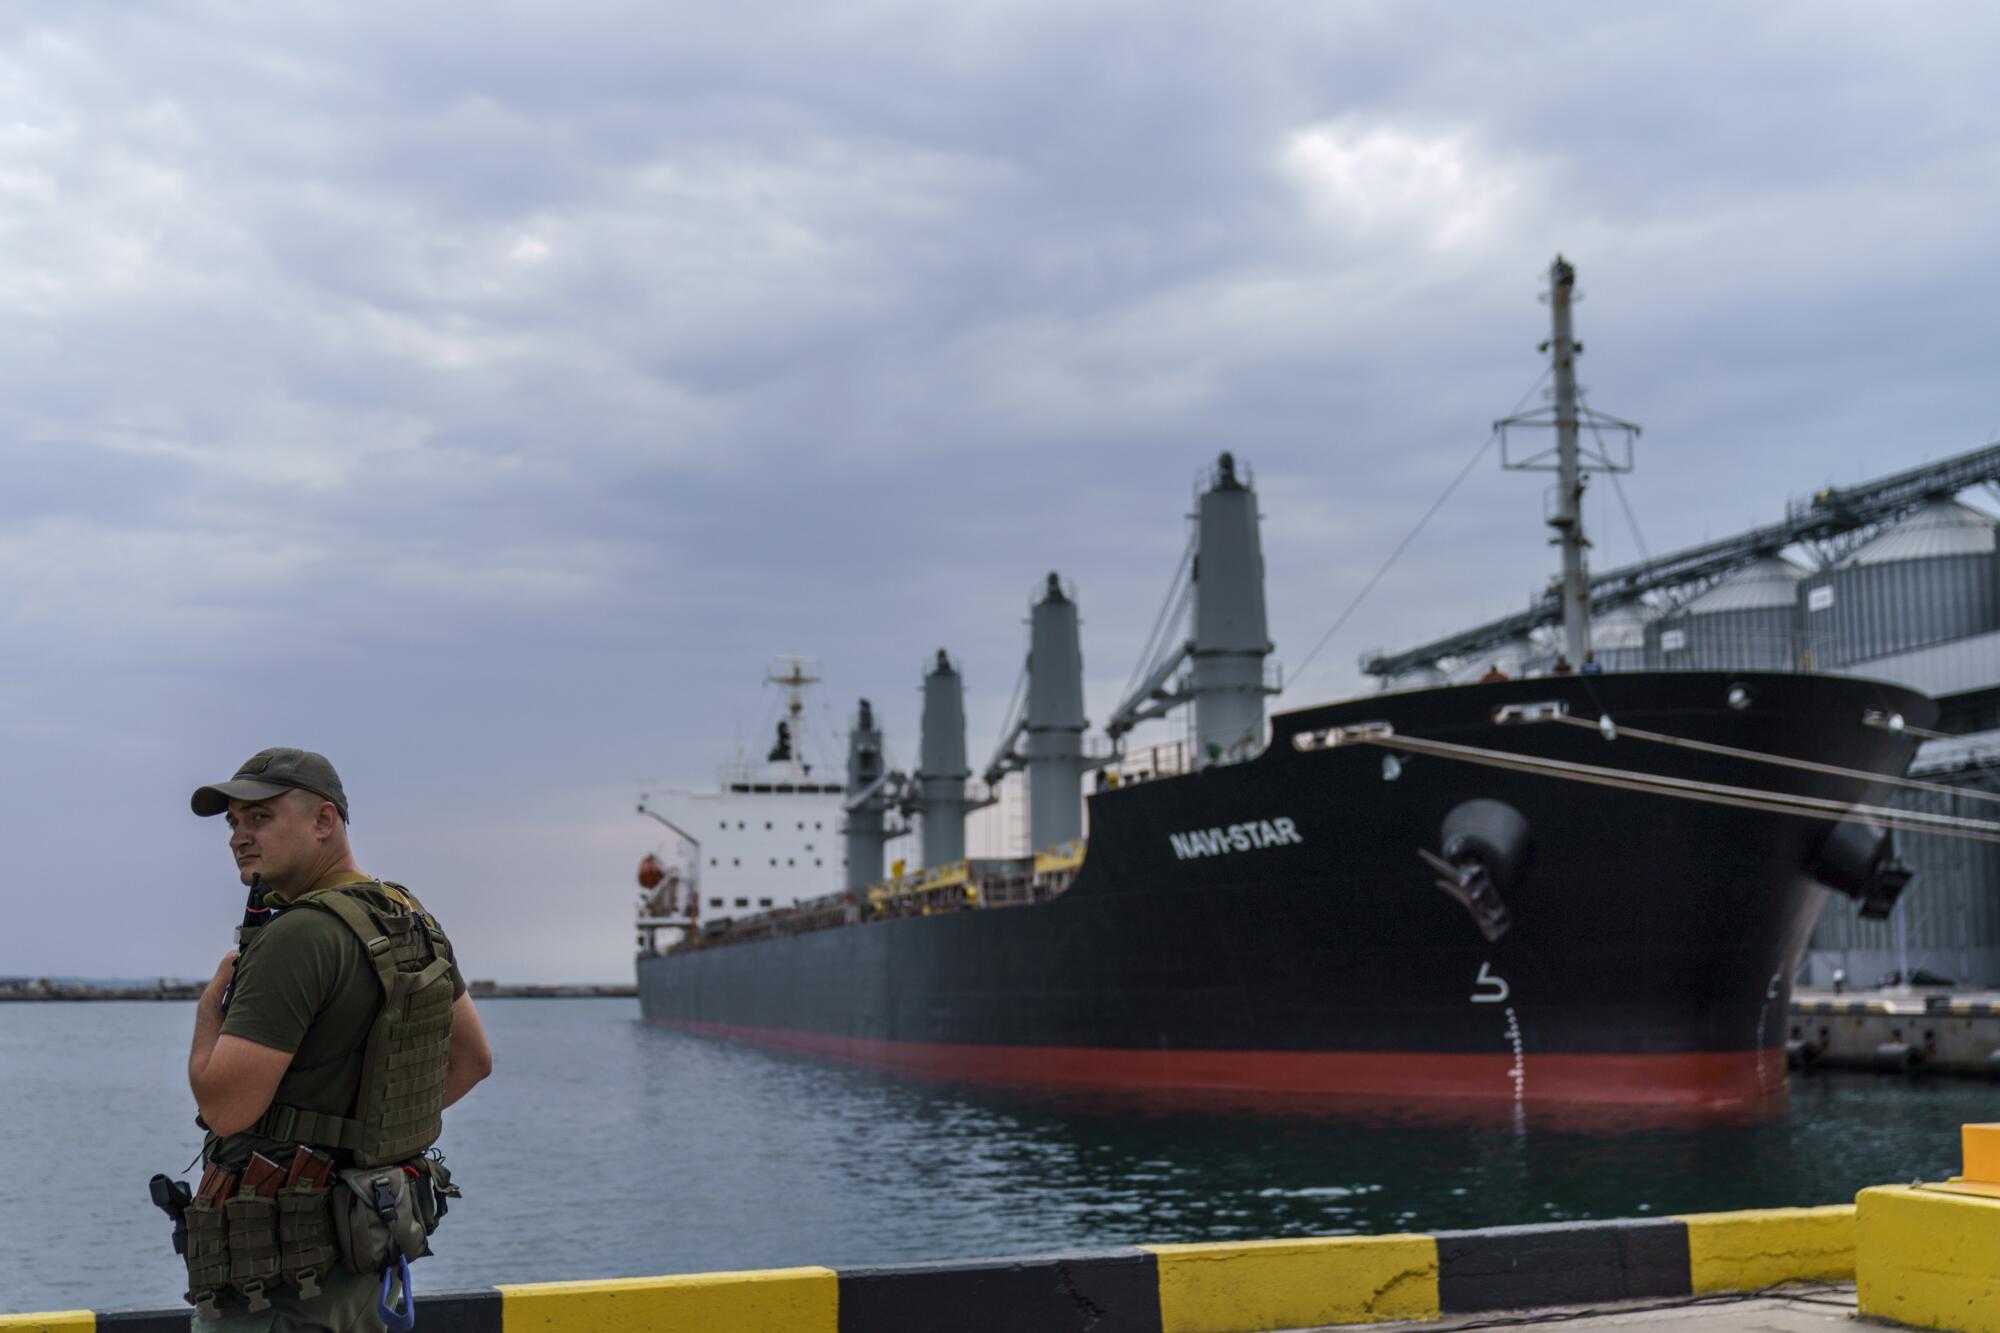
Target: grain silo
<point>1749,621</point>
<point>1618,636</point>
<point>1928,578</point>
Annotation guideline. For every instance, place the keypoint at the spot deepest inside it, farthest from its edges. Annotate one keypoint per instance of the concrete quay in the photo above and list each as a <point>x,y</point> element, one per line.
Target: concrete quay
<point>1798,1307</point>
<point>1903,1030</point>
<point>1231,1287</point>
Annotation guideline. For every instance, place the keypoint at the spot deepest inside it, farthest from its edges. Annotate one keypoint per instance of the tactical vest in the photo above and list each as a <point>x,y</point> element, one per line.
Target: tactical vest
<point>398,1108</point>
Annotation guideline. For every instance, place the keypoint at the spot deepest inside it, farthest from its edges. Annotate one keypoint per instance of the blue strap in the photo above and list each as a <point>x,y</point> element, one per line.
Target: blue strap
<point>398,1321</point>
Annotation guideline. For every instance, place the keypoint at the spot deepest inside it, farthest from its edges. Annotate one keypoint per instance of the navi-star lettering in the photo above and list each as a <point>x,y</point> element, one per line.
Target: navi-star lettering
<point>1254,835</point>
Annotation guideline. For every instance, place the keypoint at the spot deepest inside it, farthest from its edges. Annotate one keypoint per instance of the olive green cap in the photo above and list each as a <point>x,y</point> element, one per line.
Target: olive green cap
<point>273,772</point>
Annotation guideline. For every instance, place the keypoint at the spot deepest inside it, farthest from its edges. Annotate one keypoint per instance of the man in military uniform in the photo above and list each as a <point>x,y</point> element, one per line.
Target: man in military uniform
<point>290,1032</point>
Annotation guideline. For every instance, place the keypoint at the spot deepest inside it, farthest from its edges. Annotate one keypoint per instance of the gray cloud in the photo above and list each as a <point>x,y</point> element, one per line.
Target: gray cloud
<point>481,394</point>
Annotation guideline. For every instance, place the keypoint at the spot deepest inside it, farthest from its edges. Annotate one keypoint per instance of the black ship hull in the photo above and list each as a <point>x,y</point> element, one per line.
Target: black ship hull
<point>1271,927</point>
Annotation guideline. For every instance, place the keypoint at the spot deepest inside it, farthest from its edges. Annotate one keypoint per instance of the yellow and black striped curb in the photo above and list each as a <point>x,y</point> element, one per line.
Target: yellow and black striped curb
<point>1231,1287</point>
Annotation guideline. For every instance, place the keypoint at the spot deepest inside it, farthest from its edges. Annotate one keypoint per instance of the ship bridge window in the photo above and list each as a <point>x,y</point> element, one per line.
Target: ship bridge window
<point>742,902</point>
<point>724,826</point>
<point>763,902</point>
<point>713,861</point>
<point>774,860</point>
<point>767,826</point>
<point>790,862</point>
<point>715,902</point>
<point>736,860</point>
<point>815,823</point>
<point>815,860</point>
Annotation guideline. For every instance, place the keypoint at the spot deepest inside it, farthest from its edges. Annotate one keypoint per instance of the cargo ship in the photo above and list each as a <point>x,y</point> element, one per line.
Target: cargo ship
<point>1581,887</point>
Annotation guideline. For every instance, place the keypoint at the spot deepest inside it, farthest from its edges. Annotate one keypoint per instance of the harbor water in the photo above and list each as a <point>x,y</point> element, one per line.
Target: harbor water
<point>604,1147</point>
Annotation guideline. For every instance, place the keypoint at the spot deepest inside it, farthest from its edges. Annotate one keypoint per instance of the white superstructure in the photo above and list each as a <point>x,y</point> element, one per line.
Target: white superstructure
<point>768,835</point>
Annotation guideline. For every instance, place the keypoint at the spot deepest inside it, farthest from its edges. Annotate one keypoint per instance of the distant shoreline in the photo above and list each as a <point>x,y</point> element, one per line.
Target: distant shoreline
<point>46,992</point>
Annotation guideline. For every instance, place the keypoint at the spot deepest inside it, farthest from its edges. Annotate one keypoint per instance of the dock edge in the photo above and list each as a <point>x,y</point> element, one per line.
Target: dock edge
<point>1224,1287</point>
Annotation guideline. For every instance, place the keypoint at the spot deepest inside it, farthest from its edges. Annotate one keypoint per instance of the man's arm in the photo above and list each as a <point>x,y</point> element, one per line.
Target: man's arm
<point>471,1058</point>
<point>233,1080</point>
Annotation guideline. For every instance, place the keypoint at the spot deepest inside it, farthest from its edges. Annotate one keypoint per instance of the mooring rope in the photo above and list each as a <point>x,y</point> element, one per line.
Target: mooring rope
<point>1689,789</point>
<point>1761,757</point>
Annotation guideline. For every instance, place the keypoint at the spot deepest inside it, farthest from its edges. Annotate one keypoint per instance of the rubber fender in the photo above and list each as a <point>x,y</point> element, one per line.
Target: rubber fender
<point>1801,1053</point>
<point>1898,1057</point>
<point>1490,832</point>
<point>1993,1064</point>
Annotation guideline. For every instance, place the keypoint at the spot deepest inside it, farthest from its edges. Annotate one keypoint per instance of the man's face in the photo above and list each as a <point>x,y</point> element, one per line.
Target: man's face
<point>274,838</point>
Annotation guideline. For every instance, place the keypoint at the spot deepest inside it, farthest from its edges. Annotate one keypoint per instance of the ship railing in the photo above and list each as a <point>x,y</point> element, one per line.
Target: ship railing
<point>1168,759</point>
<point>1015,882</point>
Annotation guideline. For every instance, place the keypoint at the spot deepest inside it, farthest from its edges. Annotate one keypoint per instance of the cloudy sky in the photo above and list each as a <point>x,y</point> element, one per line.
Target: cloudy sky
<point>483,393</point>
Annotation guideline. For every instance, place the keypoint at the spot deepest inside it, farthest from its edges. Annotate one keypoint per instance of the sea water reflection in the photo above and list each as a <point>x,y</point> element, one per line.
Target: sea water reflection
<point>603,1147</point>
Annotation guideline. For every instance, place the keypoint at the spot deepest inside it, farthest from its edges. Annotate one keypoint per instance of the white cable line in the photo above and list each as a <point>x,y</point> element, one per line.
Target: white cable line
<point>1013,715</point>
<point>1174,601</point>
<point>1631,519</point>
<point>1298,672</point>
<point>1782,761</point>
<point>1713,793</point>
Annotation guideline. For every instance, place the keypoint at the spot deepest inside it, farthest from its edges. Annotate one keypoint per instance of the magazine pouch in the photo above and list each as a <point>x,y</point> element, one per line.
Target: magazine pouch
<point>305,1236</point>
<point>253,1246</point>
<point>207,1257</point>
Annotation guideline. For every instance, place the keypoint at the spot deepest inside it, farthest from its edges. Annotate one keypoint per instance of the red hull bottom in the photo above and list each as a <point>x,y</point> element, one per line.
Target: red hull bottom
<point>1701,1078</point>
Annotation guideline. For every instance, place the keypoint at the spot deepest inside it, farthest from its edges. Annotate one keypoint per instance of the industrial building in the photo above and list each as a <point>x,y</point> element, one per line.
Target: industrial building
<point>1897,580</point>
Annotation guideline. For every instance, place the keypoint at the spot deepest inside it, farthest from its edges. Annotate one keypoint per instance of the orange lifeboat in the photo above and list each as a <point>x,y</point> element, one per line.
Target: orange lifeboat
<point>651,872</point>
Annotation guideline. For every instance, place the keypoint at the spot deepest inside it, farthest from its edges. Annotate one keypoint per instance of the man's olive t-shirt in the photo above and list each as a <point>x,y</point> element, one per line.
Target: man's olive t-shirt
<point>305,986</point>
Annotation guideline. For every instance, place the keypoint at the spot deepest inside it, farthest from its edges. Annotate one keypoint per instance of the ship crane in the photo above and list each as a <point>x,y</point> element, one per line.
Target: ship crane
<point>1044,732</point>
<point>936,796</point>
<point>1214,627</point>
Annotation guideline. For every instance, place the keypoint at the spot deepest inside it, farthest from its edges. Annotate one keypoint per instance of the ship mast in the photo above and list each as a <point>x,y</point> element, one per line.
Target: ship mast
<point>1568,517</point>
<point>792,675</point>
<point>1569,458</point>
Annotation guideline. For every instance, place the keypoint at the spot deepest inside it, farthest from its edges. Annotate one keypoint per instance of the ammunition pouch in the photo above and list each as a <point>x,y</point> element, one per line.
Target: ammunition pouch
<point>235,1249</point>
<point>363,1221</point>
<point>306,1251</point>
<point>253,1246</point>
<point>207,1257</point>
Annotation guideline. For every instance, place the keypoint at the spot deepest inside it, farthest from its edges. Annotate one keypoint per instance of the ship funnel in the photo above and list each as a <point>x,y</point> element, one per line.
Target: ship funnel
<point>1054,722</point>
<point>1231,637</point>
<point>868,800</point>
<point>942,770</point>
